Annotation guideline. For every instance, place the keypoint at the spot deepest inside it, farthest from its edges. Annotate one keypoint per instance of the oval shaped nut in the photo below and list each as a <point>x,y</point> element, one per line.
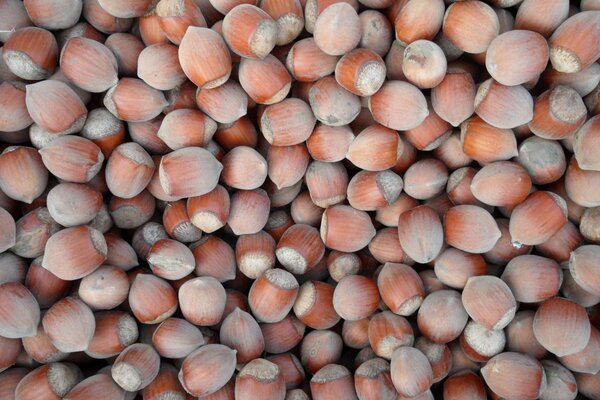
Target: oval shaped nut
<point>72,158</point>
<point>375,148</point>
<point>388,331</point>
<point>159,67</point>
<point>207,369</point>
<point>189,172</point>
<point>542,17</point>
<point>502,184</point>
<point>471,26</point>
<point>355,297</point>
<point>385,247</point>
<point>361,71</point>
<point>272,295</point>
<point>369,191</point>
<point>532,279</point>
<point>70,325</point>
<point>442,316</point>
<point>373,380</point>
<point>74,252</point>
<point>244,168</point>
<point>586,361</point>
<point>453,98</point>
<point>202,300</point>
<point>19,311</point>
<point>424,64</point>
<point>249,31</point>
<point>48,381</point>
<point>410,371</point>
<point>337,29</point>
<point>471,229</point>
<point>489,301</point>
<point>240,331</point>
<point>539,217</point>
<point>401,288</point>
<point>289,16</point>
<point>13,114</point>
<point>129,169</point>
<point>210,211</point>
<point>327,183</point>
<point>377,31</point>
<point>260,378</point>
<point>454,267</point>
<point>421,233</point>
<point>332,104</point>
<point>31,53</point>
<point>266,81</point>
<point>23,176</point>
<point>287,164</point>
<point>504,107</point>
<point>398,105</point>
<point>133,100</point>
<point>558,113</point>
<point>573,45</point>
<point>426,179</point>
<point>288,122</point>
<point>314,305</point>
<point>136,367</point>
<point>562,326</point>
<point>205,72</point>
<point>72,204</point>
<point>171,259</point>
<point>543,159</point>
<point>105,288</point>
<point>328,143</point>
<point>583,264</point>
<point>89,64</point>
<point>585,145</point>
<point>225,104</point>
<point>486,143</point>
<point>580,186</point>
<point>346,229</point>
<point>176,338</point>
<point>514,376</point>
<point>300,248</point>
<point>417,20</point>
<point>54,106</point>
<point>186,128</point>
<point>214,257</point>
<point>308,63</point>
<point>332,378</point>
<point>516,57</point>
<point>151,299</point>
<point>249,212</point>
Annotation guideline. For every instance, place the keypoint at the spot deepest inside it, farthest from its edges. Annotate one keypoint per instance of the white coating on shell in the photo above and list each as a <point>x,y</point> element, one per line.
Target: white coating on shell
<point>281,278</point>
<point>292,260</point>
